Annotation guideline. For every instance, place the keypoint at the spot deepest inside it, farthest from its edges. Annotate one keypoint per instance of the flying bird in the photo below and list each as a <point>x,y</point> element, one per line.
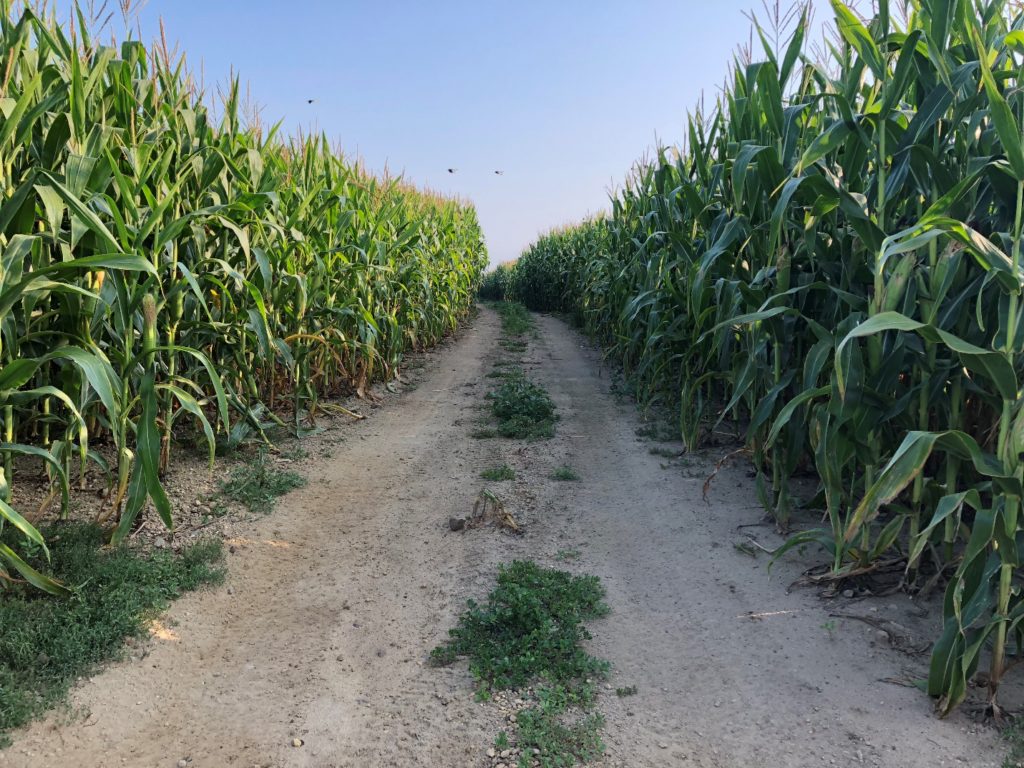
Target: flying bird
<point>499,173</point>
<point>452,170</point>
<point>310,101</point>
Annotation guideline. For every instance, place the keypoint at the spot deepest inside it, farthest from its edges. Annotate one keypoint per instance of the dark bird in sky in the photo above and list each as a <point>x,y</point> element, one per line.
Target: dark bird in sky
<point>452,170</point>
<point>500,173</point>
<point>310,101</point>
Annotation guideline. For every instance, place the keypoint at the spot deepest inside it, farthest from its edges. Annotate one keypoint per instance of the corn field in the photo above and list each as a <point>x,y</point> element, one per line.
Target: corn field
<point>167,273</point>
<point>495,283</point>
<point>831,264</point>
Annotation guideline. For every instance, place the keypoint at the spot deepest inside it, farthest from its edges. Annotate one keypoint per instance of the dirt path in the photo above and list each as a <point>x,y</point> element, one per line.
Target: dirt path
<point>334,602</point>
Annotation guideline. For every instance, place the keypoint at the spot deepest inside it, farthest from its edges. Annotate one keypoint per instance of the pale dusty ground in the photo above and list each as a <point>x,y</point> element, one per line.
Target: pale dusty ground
<point>333,603</point>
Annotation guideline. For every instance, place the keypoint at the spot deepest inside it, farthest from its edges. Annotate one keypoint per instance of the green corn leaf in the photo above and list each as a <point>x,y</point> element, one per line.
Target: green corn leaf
<point>30,574</point>
<point>857,35</point>
<point>825,143</point>
<point>191,405</point>
<point>1002,115</point>
<point>991,364</point>
<point>98,373</point>
<point>948,506</point>
<point>84,214</point>
<point>908,461</point>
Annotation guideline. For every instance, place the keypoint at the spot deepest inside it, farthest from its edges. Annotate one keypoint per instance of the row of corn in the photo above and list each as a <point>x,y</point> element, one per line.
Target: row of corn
<point>167,272</point>
<point>831,266</point>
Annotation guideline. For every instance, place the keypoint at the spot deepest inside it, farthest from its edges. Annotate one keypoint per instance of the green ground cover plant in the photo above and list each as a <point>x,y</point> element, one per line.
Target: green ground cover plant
<point>529,632</point>
<point>47,643</point>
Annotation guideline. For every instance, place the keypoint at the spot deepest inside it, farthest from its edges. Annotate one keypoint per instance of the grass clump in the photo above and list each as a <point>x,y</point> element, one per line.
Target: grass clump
<point>515,318</point>
<point>504,472</point>
<point>530,627</point>
<point>1014,736</point>
<point>257,486</point>
<point>659,432</point>
<point>530,632</point>
<point>47,643</point>
<point>504,373</point>
<point>513,346</point>
<point>523,409</point>
<point>664,452</point>
<point>562,739</point>
<point>565,473</point>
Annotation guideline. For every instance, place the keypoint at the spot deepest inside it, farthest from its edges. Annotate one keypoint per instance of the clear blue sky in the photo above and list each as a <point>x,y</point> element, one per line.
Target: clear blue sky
<point>561,96</point>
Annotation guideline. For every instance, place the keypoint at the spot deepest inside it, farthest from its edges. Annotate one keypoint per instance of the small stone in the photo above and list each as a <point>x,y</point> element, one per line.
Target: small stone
<point>183,763</point>
<point>491,752</point>
<point>160,543</point>
<point>505,753</point>
<point>663,745</point>
<point>456,523</point>
<point>847,593</point>
<point>296,742</point>
<point>231,590</point>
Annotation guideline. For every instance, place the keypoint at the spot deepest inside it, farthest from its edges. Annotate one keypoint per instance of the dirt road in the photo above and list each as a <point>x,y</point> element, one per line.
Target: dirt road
<point>333,603</point>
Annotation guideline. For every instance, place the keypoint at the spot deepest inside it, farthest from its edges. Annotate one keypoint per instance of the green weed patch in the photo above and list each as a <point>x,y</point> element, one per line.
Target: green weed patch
<point>47,643</point>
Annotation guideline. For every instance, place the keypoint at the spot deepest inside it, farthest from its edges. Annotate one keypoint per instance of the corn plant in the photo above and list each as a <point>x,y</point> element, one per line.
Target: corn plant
<point>167,270</point>
<point>830,266</point>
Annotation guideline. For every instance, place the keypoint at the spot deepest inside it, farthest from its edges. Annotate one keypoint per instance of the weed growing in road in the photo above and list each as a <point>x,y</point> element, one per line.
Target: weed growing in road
<point>531,626</point>
<point>46,644</point>
<point>565,473</point>
<point>1014,736</point>
<point>256,486</point>
<point>523,409</point>
<point>629,690</point>
<point>567,554</point>
<point>659,431</point>
<point>830,627</point>
<point>513,346</point>
<point>485,433</point>
<point>745,548</point>
<point>505,373</point>
<point>531,629</point>
<point>664,452</point>
<point>504,472</point>
<point>297,453</point>
<point>561,739</point>
<point>516,319</point>
<point>621,389</point>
